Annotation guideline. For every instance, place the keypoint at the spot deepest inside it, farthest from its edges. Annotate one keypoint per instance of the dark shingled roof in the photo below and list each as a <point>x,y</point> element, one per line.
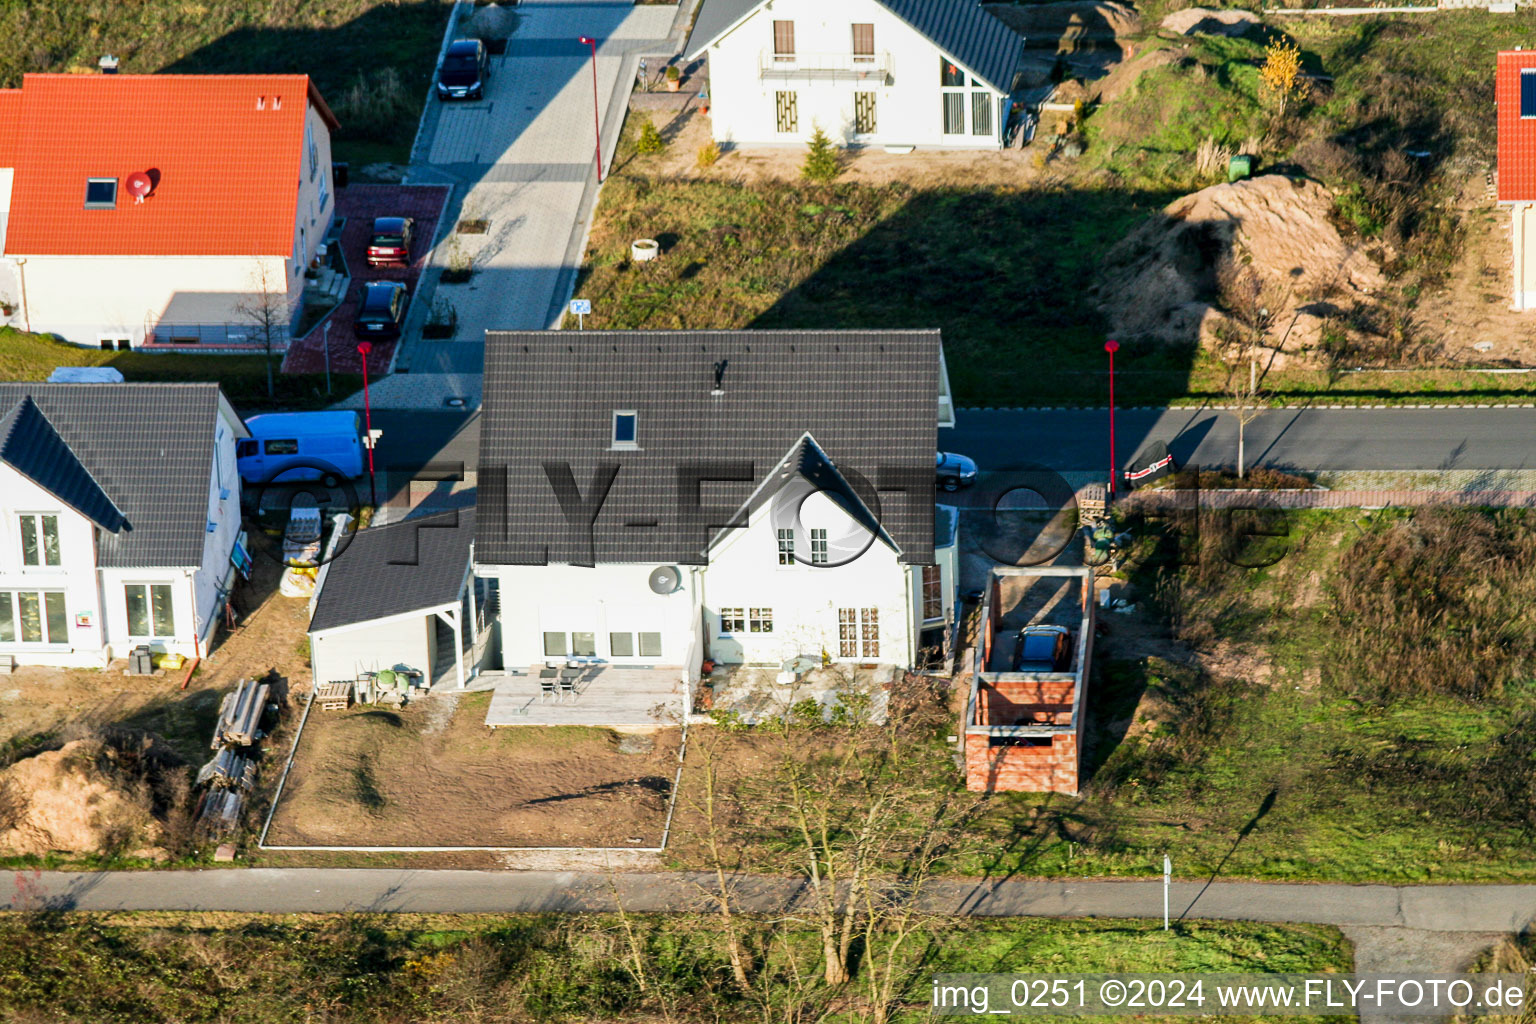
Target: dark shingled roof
<point>30,445</point>
<point>963,29</point>
<point>408,566</point>
<point>869,399</point>
<point>142,455</point>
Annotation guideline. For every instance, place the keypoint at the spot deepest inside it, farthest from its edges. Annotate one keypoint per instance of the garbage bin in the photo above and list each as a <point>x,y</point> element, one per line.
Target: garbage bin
<point>1239,167</point>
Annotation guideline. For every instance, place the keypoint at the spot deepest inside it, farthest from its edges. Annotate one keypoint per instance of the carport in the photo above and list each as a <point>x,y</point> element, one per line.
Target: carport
<point>397,597</point>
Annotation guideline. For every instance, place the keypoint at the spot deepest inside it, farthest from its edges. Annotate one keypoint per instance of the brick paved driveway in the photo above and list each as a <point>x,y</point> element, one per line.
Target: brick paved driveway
<point>360,204</point>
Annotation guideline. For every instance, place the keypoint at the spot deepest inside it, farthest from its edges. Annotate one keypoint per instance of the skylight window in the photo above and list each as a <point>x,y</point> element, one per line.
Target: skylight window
<point>1528,92</point>
<point>625,429</point>
<point>100,193</point>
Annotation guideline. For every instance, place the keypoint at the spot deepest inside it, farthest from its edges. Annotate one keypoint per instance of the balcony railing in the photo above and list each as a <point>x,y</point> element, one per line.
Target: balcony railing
<point>849,66</point>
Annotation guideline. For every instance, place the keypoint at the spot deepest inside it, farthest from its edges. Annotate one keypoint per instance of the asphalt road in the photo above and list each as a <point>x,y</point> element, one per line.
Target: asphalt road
<point>1447,908</point>
<point>1301,439</point>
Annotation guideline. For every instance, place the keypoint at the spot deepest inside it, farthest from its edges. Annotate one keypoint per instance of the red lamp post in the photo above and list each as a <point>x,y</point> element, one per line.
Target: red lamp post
<point>363,348</point>
<point>597,123</point>
<point>1112,346</point>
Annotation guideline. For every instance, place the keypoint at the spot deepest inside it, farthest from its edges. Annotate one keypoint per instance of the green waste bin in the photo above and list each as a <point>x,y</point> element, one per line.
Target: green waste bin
<point>1239,167</point>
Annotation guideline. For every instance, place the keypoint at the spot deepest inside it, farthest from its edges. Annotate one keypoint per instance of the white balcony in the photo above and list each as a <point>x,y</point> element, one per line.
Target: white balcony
<point>852,67</point>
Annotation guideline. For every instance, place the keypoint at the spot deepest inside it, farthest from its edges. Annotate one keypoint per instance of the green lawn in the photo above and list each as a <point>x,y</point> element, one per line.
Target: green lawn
<point>1340,737</point>
<point>32,357</point>
<point>364,968</point>
<point>372,59</point>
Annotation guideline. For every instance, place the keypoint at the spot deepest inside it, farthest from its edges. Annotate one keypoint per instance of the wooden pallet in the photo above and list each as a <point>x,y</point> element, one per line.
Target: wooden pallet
<point>333,696</point>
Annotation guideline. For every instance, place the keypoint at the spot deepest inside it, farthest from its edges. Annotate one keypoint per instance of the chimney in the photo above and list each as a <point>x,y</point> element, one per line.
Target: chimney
<point>107,64</point>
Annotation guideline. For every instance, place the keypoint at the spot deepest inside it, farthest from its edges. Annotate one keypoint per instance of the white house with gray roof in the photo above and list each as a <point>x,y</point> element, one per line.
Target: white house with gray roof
<point>119,516</point>
<point>655,498</point>
<point>896,73</point>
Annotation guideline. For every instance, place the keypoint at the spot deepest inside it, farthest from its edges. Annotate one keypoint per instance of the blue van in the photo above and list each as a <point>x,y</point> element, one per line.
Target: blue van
<point>301,438</point>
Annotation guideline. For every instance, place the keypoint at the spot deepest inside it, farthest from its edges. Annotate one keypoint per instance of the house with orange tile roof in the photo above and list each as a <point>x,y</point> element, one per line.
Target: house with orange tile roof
<point>1515,97</point>
<point>159,210</point>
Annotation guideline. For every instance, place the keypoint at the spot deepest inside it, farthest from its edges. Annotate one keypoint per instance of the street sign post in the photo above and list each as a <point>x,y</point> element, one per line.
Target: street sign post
<point>580,308</point>
<point>1167,877</point>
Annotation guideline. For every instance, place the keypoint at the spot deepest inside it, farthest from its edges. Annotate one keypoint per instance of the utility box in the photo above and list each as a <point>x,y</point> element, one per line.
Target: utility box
<point>1239,167</point>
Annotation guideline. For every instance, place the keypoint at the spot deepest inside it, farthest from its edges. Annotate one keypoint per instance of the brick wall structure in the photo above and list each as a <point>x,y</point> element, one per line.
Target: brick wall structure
<point>1026,769</point>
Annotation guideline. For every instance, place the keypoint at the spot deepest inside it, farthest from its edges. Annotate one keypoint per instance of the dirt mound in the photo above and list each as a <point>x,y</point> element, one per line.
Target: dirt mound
<point>1209,21</point>
<point>1077,21</point>
<point>1121,78</point>
<point>73,800</point>
<point>1163,281</point>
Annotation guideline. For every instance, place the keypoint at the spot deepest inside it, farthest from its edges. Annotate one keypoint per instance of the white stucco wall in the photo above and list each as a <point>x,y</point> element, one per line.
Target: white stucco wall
<point>1522,224</point>
<point>75,577</point>
<point>908,108</point>
<point>603,599</point>
<point>744,572</point>
<point>399,642</point>
<point>85,298</point>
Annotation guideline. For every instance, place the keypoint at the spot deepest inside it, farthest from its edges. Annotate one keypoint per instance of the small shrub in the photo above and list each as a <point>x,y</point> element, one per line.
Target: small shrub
<point>821,162</point>
<point>708,155</point>
<point>674,73</point>
<point>650,140</point>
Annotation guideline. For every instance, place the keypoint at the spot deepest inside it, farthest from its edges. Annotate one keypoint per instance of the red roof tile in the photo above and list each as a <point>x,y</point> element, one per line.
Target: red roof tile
<point>224,152</point>
<point>1517,135</point>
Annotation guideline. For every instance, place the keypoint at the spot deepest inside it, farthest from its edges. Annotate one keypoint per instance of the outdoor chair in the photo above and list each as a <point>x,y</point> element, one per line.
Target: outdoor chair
<point>568,680</point>
<point>547,683</point>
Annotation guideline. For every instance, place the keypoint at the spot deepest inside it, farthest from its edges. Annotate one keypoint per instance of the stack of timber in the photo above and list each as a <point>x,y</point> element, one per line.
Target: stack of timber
<point>240,715</point>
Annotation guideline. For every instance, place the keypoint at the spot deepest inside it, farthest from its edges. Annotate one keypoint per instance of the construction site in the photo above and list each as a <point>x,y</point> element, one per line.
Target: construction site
<point>1025,709</point>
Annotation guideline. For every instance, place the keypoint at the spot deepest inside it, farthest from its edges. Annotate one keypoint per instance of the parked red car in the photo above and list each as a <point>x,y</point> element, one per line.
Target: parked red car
<point>391,243</point>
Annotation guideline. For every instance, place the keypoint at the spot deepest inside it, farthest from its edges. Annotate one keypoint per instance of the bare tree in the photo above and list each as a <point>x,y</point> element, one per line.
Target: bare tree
<point>714,819</point>
<point>265,308</point>
<point>872,810</point>
<point>1252,306</point>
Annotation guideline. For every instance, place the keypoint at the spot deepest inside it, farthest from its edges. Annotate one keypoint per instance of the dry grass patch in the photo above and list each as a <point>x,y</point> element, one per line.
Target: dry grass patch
<point>375,777</point>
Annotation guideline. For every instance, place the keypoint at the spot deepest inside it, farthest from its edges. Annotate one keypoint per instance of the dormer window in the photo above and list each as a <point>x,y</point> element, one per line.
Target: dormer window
<point>100,193</point>
<point>625,429</point>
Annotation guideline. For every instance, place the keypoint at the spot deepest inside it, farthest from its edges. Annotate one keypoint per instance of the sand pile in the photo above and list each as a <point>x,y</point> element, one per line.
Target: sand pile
<point>1163,281</point>
<point>1209,21</point>
<point>1078,21</point>
<point>75,799</point>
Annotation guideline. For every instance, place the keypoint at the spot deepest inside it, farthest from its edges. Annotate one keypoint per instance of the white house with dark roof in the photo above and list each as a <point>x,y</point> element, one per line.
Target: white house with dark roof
<point>119,517</point>
<point>898,73</point>
<point>654,498</point>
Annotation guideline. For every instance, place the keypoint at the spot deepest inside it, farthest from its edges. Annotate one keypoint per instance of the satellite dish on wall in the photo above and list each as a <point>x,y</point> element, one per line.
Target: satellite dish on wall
<point>665,579</point>
<point>139,185</point>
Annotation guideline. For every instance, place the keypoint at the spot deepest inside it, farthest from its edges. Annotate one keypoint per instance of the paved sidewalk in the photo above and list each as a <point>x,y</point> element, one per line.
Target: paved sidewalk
<point>1447,908</point>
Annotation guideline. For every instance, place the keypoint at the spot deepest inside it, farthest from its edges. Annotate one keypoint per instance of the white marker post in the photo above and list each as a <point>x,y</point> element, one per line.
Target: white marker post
<point>581,308</point>
<point>1167,877</point>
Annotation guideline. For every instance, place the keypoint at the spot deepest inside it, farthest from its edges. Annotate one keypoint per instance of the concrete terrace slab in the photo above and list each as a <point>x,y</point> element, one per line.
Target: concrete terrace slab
<point>607,696</point>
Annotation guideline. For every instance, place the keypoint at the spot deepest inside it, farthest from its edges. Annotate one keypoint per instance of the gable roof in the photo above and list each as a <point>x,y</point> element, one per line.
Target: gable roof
<point>409,566</point>
<point>964,29</point>
<point>30,445</point>
<point>225,173</point>
<point>869,399</point>
<point>1517,135</point>
<point>146,450</point>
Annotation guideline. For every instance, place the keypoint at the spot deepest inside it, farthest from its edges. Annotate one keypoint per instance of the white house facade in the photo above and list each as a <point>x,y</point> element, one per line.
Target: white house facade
<point>896,73</point>
<point>120,231</point>
<point>96,556</point>
<point>807,530</point>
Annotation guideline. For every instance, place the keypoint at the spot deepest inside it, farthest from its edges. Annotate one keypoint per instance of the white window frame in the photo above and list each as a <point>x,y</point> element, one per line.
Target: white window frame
<point>786,545</point>
<point>42,549</point>
<point>627,446</point>
<point>101,181</point>
<point>733,620</point>
<point>149,610</point>
<point>11,606</point>
<point>856,646</point>
<point>818,546</point>
<point>760,620</point>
